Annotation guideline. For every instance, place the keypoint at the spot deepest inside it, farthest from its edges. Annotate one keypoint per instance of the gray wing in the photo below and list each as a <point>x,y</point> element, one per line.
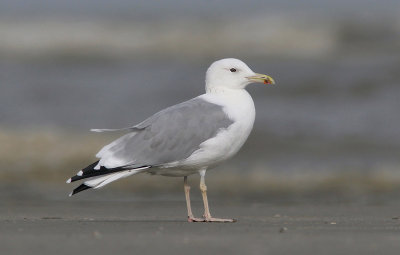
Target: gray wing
<point>169,135</point>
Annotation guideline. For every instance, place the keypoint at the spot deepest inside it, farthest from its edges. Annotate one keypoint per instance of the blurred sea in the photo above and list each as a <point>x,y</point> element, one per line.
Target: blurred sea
<point>68,66</point>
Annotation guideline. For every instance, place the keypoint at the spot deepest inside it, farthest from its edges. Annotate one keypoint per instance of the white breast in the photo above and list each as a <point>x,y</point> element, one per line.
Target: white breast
<point>239,106</point>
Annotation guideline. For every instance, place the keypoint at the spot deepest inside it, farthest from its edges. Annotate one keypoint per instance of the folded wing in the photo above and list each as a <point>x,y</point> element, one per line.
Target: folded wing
<point>170,135</point>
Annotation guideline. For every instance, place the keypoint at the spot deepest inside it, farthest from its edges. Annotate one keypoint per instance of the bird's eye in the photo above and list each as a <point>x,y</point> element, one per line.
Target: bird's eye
<point>232,70</point>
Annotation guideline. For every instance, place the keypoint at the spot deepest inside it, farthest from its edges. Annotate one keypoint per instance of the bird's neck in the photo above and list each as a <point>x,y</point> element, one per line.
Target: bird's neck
<point>224,96</point>
<point>222,90</point>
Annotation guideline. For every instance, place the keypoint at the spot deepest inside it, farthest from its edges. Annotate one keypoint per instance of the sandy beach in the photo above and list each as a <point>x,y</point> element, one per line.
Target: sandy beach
<point>45,221</point>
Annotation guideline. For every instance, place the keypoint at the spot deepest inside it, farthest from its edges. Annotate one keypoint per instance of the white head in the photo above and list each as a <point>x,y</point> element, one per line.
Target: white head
<point>233,74</point>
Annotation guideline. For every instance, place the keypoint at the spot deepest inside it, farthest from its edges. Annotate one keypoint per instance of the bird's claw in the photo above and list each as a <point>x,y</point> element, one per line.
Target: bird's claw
<point>193,219</point>
<point>210,219</point>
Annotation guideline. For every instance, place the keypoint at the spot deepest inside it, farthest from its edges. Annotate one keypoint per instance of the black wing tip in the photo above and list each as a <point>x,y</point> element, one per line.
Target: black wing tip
<point>80,188</point>
<point>74,178</point>
<point>89,171</point>
<point>82,174</point>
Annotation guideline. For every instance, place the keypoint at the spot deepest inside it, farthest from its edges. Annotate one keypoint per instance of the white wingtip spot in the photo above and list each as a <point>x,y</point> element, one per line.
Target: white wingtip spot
<point>70,194</point>
<point>80,173</point>
<point>68,181</point>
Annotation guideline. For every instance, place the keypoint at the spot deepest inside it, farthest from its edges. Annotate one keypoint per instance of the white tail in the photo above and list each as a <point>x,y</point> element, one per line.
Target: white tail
<point>101,181</point>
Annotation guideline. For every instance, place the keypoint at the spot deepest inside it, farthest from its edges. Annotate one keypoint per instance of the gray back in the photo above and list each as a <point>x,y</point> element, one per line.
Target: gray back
<point>170,135</point>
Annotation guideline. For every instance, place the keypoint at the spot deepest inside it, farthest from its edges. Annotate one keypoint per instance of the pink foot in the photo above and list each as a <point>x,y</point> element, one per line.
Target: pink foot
<point>193,219</point>
<point>211,219</point>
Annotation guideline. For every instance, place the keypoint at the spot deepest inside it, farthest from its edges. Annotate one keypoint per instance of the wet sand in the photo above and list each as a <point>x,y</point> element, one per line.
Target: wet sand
<point>38,222</point>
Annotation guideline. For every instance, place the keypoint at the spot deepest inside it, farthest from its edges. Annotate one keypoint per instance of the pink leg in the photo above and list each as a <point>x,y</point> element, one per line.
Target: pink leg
<point>207,215</point>
<point>191,218</point>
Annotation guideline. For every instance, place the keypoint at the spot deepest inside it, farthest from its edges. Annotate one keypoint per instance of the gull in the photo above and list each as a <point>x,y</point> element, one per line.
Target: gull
<point>184,139</point>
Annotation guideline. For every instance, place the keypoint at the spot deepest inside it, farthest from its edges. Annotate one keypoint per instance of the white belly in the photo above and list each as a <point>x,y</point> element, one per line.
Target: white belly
<point>239,106</point>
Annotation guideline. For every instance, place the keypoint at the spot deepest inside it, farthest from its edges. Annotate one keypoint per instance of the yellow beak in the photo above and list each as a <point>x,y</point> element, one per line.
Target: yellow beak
<point>261,78</point>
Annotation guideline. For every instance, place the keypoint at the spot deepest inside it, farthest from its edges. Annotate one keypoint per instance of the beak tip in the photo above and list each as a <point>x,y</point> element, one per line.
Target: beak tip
<point>269,81</point>
<point>262,78</point>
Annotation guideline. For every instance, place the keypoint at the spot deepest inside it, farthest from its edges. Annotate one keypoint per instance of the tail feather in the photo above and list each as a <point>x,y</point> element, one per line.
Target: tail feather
<point>109,175</point>
<point>101,181</point>
<point>90,171</point>
<point>80,188</point>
